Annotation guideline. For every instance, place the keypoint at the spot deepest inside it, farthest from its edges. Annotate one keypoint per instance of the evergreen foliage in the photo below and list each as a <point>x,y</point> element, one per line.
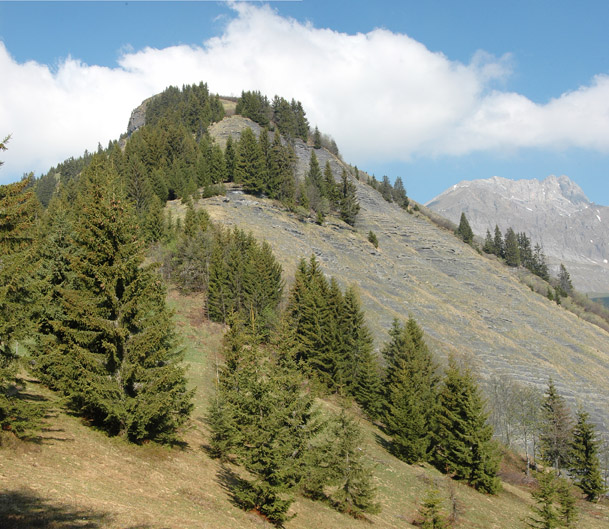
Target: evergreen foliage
<point>410,391</point>
<point>348,203</point>
<point>358,369</point>
<point>373,239</point>
<point>512,250</point>
<point>19,209</point>
<point>555,437</point>
<point>352,476</point>
<point>564,281</point>
<point>265,420</point>
<point>462,439</point>
<point>431,515</point>
<point>249,163</point>
<point>109,343</point>
<point>583,458</point>
<point>192,106</point>
<point>464,231</point>
<point>555,505</point>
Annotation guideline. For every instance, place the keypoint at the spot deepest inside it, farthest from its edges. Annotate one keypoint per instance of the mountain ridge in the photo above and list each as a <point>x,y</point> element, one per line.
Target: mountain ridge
<point>554,212</point>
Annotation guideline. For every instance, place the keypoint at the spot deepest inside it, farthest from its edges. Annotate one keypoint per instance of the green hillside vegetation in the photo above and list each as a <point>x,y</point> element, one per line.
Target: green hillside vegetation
<point>161,369</point>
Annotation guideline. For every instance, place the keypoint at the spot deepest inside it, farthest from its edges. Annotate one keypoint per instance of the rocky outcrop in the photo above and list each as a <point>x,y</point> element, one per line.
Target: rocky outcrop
<point>554,212</point>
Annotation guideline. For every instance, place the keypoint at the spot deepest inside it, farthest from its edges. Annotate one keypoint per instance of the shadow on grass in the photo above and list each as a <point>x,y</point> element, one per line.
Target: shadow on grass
<point>230,482</point>
<point>24,509</point>
<point>387,445</point>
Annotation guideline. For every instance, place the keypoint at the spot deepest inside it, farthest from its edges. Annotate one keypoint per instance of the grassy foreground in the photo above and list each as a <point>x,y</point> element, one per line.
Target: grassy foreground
<point>76,477</point>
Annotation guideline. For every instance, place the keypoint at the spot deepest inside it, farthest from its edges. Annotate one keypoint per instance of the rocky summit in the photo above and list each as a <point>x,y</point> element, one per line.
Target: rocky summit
<point>554,212</point>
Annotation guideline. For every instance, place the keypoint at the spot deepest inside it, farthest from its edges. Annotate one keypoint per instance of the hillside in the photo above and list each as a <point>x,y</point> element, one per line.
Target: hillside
<point>555,212</point>
<point>466,303</point>
<point>76,477</point>
<point>71,474</point>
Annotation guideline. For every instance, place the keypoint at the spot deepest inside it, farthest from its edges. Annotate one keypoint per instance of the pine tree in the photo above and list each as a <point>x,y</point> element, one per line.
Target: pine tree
<point>462,438</point>
<point>410,386</point>
<point>113,344</point>
<point>555,436</point>
<point>583,458</point>
<point>230,159</point>
<point>464,230</point>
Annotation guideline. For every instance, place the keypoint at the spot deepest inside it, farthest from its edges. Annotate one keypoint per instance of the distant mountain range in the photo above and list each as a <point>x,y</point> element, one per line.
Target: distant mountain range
<point>554,212</point>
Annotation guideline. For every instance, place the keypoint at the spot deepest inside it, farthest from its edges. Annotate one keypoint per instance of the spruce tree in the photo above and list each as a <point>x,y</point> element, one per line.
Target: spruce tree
<point>511,252</point>
<point>464,230</point>
<point>564,281</point>
<point>555,436</point>
<point>410,386</point>
<point>357,365</point>
<point>355,493</point>
<point>348,203</point>
<point>19,209</point>
<point>583,458</point>
<point>113,345</point>
<point>431,515</point>
<point>249,164</point>
<point>462,438</point>
<point>489,243</point>
<point>498,243</point>
<point>267,422</point>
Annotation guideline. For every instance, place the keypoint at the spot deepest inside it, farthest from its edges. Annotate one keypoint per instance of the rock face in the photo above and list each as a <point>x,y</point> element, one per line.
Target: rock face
<point>466,303</point>
<point>554,212</point>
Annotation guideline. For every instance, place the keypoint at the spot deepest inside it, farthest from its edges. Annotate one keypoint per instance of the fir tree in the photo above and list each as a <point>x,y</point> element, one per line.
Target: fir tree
<point>555,436</point>
<point>113,345</point>
<point>462,438</point>
<point>583,458</point>
<point>410,386</point>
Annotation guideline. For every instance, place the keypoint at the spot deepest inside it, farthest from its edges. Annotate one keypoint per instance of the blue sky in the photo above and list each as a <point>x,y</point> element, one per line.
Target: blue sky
<point>434,92</point>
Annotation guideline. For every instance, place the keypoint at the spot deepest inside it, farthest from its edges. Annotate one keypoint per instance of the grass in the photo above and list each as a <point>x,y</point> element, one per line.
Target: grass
<point>73,476</point>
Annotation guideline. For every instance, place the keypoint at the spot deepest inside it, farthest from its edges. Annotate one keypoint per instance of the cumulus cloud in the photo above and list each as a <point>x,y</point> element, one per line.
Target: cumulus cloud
<point>383,96</point>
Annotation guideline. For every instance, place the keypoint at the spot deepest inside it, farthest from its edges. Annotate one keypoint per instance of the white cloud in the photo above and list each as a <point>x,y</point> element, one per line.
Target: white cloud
<point>381,95</point>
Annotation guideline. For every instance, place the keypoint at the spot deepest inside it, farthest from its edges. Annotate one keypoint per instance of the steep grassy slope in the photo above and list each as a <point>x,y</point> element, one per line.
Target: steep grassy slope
<point>466,303</point>
<point>76,477</point>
